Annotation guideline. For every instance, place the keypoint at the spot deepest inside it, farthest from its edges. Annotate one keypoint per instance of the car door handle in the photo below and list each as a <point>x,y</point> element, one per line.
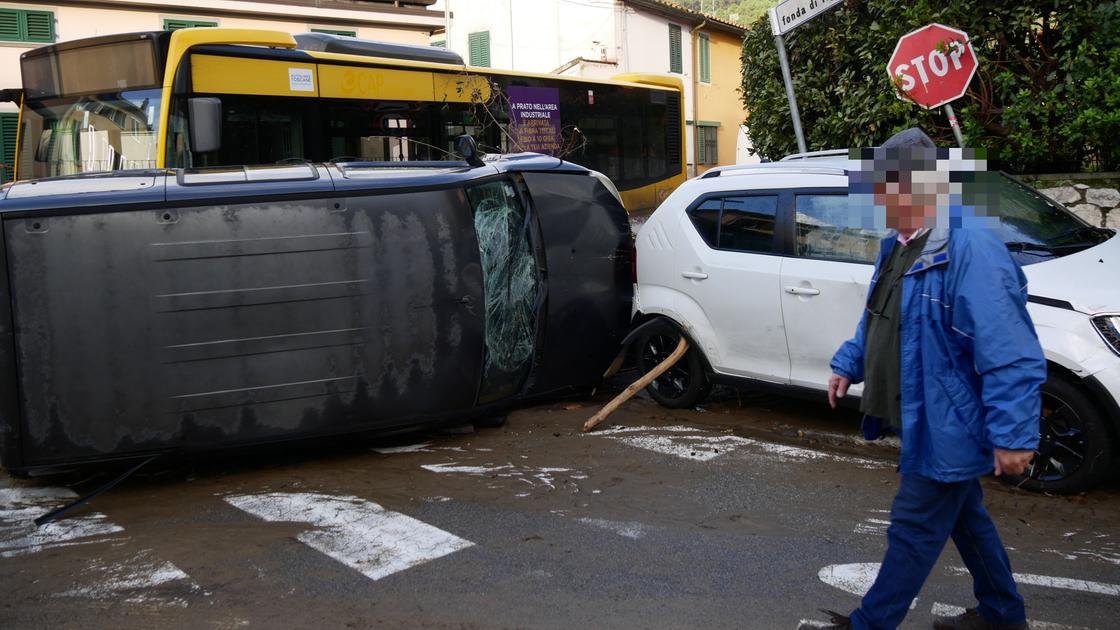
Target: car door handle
<point>803,291</point>
<point>694,275</point>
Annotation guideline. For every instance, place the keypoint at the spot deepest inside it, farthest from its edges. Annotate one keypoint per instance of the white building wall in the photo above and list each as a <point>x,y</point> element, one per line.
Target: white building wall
<point>533,35</point>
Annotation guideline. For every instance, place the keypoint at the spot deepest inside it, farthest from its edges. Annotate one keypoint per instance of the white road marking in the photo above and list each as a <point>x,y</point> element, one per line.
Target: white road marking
<point>700,445</point>
<point>622,528</point>
<point>407,448</point>
<point>19,507</point>
<point>129,579</point>
<point>1071,584</point>
<point>812,623</point>
<point>946,610</point>
<point>534,477</point>
<point>360,534</point>
<point>855,578</point>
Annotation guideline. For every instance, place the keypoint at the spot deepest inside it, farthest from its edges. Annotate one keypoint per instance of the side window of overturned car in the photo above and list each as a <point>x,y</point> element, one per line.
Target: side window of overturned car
<point>510,285</point>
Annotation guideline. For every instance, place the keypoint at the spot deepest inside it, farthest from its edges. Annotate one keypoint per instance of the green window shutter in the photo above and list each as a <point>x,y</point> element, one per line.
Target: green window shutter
<point>479,45</point>
<point>9,25</point>
<point>174,25</point>
<point>675,63</point>
<point>700,157</point>
<point>39,25</point>
<point>9,130</point>
<point>334,31</point>
<point>17,25</point>
<point>439,43</point>
<point>705,58</point>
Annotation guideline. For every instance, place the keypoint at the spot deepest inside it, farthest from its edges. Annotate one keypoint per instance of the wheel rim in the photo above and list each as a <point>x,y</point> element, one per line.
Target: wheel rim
<point>676,380</point>
<point>1061,441</point>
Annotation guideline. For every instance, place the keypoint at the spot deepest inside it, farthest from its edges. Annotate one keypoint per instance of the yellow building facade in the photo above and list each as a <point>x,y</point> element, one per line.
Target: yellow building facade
<point>719,108</point>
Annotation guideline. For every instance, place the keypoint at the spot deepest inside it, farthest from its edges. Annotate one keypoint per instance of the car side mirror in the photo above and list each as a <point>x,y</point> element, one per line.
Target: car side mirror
<point>206,123</point>
<point>469,150</point>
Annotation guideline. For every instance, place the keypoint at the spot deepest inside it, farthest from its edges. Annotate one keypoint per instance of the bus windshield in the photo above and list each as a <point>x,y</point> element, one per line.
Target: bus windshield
<point>99,132</point>
<point>90,107</point>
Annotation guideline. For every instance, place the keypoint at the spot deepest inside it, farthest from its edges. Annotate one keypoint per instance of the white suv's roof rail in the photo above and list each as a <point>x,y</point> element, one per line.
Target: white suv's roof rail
<point>774,168</point>
<point>813,155</point>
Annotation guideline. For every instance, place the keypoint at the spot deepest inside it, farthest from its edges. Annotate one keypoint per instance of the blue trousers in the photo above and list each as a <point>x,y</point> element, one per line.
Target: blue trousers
<point>925,514</point>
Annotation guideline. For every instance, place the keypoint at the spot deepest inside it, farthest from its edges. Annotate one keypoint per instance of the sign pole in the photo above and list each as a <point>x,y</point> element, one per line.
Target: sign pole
<point>954,124</point>
<point>779,41</point>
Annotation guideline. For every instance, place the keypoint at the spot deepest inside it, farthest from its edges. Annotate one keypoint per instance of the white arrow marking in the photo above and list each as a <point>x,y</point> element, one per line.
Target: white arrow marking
<point>360,534</point>
<point>855,578</point>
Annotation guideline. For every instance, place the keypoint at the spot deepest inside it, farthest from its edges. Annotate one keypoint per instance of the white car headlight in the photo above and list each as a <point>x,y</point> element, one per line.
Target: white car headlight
<point>1109,328</point>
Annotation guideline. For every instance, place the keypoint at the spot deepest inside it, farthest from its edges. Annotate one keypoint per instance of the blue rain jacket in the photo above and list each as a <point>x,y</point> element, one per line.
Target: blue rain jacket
<point>972,366</point>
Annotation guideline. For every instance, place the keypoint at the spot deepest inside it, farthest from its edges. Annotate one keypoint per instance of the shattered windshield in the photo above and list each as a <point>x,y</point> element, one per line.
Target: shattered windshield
<point>91,133</point>
<point>510,286</point>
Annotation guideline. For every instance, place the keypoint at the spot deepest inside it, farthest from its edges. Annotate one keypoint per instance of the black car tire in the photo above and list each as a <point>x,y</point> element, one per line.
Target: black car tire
<point>1075,447</point>
<point>685,384</point>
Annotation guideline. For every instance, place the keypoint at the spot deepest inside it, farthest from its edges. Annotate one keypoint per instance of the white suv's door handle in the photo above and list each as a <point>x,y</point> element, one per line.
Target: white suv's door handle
<point>803,291</point>
<point>694,275</point>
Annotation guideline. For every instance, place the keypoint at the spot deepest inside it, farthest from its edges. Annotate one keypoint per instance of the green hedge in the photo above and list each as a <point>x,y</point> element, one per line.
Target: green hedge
<point>1046,97</point>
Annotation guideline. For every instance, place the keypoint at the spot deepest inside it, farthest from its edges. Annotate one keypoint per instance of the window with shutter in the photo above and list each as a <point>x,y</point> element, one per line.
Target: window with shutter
<point>174,25</point>
<point>17,25</point>
<point>335,31</point>
<point>705,58</point>
<point>9,129</point>
<point>675,63</point>
<point>439,43</point>
<point>479,45</point>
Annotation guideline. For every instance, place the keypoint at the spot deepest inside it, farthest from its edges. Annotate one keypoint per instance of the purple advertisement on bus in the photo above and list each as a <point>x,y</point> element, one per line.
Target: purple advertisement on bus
<point>535,119</point>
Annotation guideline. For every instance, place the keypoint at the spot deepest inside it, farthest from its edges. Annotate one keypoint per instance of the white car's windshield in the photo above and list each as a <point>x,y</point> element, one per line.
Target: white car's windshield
<point>1034,227</point>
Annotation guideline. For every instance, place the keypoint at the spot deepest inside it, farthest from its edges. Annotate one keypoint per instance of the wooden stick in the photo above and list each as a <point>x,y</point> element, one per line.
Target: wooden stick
<point>637,386</point>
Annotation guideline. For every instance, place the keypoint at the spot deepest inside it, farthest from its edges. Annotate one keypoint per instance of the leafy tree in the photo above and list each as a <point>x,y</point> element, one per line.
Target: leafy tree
<point>1046,97</point>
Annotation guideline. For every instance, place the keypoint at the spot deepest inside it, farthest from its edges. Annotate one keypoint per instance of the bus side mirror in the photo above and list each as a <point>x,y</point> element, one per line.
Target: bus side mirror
<point>206,123</point>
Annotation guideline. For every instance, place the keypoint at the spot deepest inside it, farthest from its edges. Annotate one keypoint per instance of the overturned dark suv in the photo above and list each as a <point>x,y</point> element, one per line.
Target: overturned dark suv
<point>178,310</point>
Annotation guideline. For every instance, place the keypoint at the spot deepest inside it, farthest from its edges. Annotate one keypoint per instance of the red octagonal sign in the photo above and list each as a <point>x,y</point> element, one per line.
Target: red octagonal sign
<point>932,65</point>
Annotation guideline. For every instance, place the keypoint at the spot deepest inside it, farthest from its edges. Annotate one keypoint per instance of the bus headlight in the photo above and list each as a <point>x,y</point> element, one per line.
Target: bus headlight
<point>609,185</point>
<point>1109,328</point>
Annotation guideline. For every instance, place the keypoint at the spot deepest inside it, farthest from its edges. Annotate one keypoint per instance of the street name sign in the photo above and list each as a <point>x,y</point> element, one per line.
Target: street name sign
<point>932,65</point>
<point>790,14</point>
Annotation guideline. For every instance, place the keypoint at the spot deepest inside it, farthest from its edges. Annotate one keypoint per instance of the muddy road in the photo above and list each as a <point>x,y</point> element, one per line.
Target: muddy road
<point>750,513</point>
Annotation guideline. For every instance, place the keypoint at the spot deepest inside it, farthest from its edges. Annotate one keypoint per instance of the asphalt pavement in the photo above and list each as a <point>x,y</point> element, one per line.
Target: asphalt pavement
<point>752,512</point>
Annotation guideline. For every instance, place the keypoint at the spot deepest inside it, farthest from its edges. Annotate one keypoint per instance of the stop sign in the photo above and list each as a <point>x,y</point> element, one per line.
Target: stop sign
<point>932,65</point>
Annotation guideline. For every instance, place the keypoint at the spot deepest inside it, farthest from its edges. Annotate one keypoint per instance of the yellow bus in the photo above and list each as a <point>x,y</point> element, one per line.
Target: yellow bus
<point>217,97</point>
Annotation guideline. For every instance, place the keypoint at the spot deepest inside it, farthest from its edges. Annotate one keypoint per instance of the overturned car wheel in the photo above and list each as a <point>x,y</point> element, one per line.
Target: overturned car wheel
<point>1074,448</point>
<point>683,385</point>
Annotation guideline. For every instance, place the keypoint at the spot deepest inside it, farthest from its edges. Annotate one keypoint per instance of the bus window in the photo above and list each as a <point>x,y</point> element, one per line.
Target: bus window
<point>382,131</point>
<point>261,130</point>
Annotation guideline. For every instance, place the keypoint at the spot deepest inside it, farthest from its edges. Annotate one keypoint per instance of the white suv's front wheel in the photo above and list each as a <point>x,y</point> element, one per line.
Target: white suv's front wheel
<point>682,386</point>
<point>1075,448</point>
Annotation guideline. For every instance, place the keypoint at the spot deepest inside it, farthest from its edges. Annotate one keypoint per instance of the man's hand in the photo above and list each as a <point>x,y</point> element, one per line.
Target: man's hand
<point>837,388</point>
<point>1012,462</point>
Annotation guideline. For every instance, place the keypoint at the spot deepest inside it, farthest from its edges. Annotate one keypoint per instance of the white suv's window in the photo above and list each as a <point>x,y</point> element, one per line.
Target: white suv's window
<point>829,229</point>
<point>742,223</point>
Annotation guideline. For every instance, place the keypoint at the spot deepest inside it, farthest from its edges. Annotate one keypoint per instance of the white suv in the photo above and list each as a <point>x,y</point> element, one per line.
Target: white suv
<point>766,271</point>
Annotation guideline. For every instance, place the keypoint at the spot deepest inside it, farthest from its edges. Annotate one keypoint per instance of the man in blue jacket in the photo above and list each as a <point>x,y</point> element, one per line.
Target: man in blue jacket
<point>951,362</point>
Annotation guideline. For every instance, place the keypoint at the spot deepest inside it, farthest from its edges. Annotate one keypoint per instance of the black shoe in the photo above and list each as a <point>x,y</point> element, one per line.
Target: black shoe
<point>836,622</point>
<point>972,620</point>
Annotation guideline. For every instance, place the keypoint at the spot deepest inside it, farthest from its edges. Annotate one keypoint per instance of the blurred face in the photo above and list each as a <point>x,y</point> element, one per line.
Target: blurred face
<point>911,202</point>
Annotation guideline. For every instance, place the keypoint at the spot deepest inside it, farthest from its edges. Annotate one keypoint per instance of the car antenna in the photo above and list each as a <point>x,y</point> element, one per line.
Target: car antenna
<point>469,150</point>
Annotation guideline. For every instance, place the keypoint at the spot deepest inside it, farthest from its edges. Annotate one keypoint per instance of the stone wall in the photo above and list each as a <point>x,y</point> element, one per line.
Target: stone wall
<point>1098,205</point>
